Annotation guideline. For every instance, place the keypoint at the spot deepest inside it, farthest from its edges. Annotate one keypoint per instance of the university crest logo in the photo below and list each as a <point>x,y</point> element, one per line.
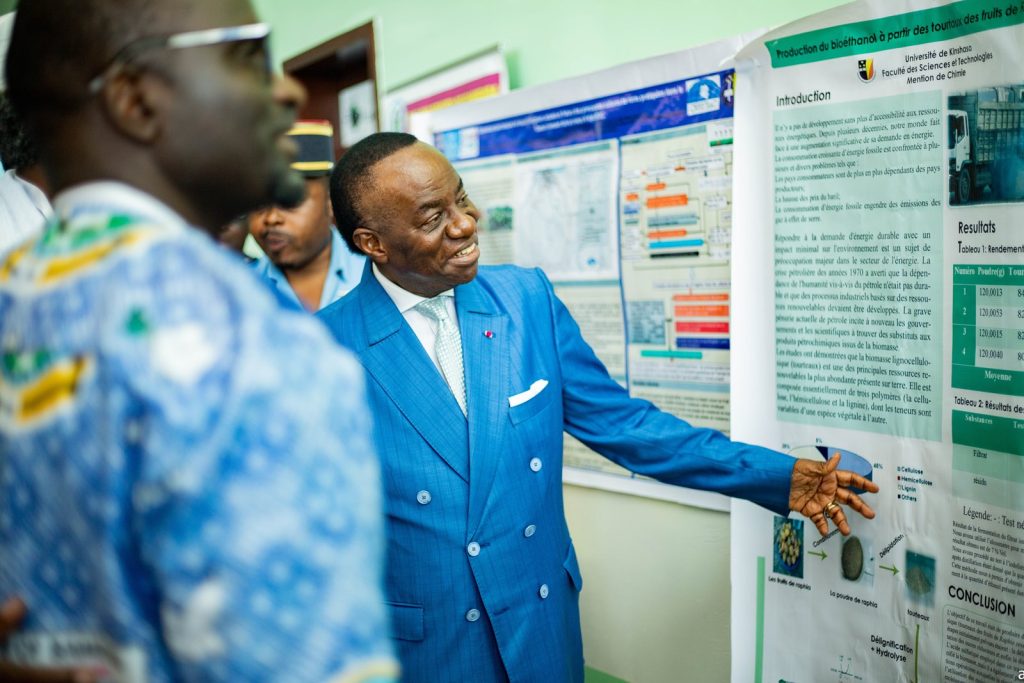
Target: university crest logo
<point>866,69</point>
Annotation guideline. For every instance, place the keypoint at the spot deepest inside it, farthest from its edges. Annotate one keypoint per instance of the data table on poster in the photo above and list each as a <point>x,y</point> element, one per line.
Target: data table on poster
<point>988,459</point>
<point>988,329</point>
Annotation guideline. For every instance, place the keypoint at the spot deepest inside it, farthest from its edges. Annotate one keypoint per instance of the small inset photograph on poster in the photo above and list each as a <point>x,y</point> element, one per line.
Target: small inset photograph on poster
<point>788,555</point>
<point>857,561</point>
<point>985,141</point>
<point>920,578</point>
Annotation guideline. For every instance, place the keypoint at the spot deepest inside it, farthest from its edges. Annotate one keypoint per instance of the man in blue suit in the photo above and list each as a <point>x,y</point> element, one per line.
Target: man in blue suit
<point>473,375</point>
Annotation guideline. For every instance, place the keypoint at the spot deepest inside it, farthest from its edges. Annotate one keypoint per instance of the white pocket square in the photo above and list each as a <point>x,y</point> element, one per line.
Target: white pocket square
<point>521,398</point>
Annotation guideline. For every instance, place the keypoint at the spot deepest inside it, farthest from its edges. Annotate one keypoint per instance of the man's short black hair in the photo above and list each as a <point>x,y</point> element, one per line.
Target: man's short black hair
<point>58,46</point>
<point>350,178</point>
<point>17,147</point>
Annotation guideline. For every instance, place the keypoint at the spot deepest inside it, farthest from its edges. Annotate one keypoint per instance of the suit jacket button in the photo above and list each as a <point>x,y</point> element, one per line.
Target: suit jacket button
<point>473,615</point>
<point>530,530</point>
<point>536,464</point>
<point>543,592</point>
<point>423,497</point>
<point>473,549</point>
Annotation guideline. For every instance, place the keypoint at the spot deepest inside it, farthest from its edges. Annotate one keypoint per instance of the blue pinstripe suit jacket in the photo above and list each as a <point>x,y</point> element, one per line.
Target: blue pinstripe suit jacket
<point>495,479</point>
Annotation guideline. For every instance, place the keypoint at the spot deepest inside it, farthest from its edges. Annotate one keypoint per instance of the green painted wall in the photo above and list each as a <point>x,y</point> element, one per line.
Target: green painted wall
<point>655,607</point>
<point>544,40</point>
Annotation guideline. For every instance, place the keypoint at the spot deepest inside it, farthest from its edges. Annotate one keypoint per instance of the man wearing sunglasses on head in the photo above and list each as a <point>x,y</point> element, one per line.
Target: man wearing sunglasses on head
<point>182,497</point>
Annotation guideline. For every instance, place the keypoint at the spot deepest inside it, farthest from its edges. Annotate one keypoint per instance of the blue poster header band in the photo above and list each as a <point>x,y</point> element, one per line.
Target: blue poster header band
<point>679,103</point>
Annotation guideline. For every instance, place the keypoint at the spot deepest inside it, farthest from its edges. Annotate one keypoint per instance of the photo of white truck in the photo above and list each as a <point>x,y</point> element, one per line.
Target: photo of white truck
<point>986,145</point>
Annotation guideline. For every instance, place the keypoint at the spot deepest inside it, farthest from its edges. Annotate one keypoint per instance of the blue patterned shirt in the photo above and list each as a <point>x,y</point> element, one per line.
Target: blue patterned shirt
<point>188,489</point>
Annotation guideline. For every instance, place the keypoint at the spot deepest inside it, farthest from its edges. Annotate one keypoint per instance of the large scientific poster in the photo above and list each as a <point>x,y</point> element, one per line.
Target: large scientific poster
<point>878,282</point>
<point>619,185</point>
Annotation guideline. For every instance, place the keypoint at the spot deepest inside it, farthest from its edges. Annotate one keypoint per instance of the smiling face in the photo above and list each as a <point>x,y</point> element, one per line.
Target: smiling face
<point>420,226</point>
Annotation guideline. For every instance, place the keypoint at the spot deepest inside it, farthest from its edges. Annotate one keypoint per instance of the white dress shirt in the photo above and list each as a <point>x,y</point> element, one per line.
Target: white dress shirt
<point>424,327</point>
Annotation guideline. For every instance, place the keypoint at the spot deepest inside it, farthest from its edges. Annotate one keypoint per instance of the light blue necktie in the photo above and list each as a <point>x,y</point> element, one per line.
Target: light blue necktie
<point>447,346</point>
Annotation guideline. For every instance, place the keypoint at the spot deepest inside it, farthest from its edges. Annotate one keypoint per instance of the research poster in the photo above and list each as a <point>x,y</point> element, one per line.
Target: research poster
<point>878,283</point>
<point>619,185</point>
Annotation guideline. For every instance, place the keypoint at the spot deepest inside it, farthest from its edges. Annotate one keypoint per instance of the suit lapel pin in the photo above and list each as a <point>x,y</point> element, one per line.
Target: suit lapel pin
<point>488,334</point>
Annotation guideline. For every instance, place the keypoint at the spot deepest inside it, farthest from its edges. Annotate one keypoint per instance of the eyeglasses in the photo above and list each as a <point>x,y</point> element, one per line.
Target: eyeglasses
<point>174,41</point>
